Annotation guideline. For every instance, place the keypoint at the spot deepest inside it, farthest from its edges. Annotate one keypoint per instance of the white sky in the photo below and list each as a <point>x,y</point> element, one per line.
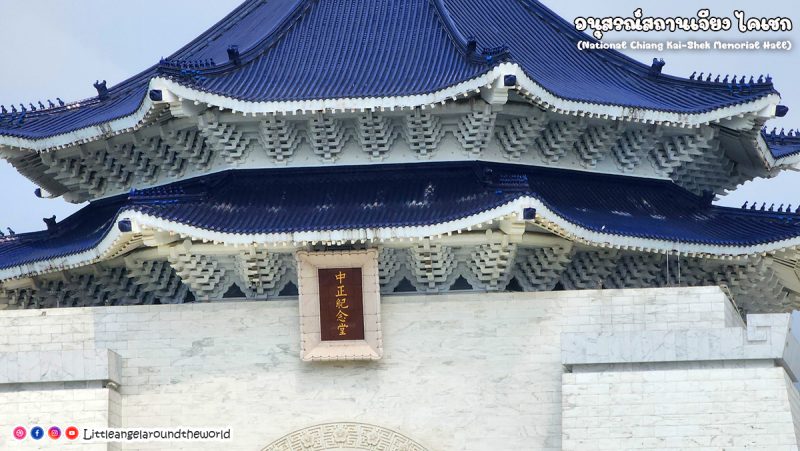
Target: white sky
<point>55,48</point>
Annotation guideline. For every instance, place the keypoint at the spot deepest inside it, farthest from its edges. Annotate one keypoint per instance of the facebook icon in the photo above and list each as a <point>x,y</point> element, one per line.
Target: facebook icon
<point>37,433</point>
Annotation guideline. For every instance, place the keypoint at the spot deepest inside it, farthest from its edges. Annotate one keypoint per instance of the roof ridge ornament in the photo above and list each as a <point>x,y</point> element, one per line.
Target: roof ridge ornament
<point>657,65</point>
<point>51,223</point>
<point>102,90</point>
<point>468,46</point>
<point>780,137</point>
<point>233,54</point>
<point>16,118</point>
<point>735,84</point>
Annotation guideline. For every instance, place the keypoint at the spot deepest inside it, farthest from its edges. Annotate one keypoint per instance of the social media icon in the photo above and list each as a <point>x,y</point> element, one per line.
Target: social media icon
<point>37,433</point>
<point>71,432</point>
<point>20,432</point>
<point>54,432</point>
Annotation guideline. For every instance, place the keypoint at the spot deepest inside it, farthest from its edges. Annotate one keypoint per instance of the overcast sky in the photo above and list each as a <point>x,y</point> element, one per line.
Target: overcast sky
<point>57,48</point>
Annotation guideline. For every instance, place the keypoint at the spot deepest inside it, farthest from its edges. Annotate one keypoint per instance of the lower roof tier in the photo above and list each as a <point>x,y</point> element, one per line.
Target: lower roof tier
<point>406,201</point>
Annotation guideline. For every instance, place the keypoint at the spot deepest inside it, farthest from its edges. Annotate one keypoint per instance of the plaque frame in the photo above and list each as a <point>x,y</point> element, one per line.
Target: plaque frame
<point>312,348</point>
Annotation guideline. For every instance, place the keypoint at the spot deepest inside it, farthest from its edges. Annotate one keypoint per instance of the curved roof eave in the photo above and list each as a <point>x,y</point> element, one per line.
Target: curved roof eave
<point>780,149</point>
<point>764,106</point>
<point>115,242</point>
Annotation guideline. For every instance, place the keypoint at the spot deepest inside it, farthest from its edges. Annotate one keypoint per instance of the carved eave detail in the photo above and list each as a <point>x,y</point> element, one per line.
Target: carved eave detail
<point>188,139</point>
<point>162,267</point>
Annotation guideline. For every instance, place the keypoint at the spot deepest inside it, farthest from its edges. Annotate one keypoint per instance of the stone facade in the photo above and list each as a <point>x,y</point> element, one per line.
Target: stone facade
<point>464,371</point>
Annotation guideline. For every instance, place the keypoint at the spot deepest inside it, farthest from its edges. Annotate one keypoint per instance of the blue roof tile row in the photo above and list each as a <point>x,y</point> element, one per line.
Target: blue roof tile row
<point>781,144</point>
<point>310,49</point>
<point>320,199</point>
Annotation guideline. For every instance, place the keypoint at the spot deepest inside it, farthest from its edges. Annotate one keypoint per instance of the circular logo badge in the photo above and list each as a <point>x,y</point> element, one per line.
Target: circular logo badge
<point>54,432</point>
<point>20,432</point>
<point>37,433</point>
<point>71,432</point>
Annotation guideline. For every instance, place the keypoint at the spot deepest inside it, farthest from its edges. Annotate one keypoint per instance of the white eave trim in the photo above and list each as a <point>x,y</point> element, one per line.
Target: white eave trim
<point>789,161</point>
<point>527,86</point>
<point>105,130</point>
<point>116,240</point>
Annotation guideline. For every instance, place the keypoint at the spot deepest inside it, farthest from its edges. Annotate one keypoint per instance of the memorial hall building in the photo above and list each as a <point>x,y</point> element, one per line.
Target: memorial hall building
<point>404,225</point>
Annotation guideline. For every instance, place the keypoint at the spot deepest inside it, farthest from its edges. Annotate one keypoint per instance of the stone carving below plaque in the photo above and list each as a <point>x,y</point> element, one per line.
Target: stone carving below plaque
<point>344,436</point>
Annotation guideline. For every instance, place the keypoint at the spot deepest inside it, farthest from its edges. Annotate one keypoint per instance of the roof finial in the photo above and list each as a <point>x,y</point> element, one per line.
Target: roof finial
<point>657,65</point>
<point>772,207</point>
<point>32,106</point>
<point>102,90</point>
<point>716,80</point>
<point>51,222</point>
<point>691,77</point>
<point>780,209</point>
<point>10,232</point>
<point>233,55</point>
<point>760,79</point>
<point>472,46</point>
<point>744,205</point>
<point>60,102</point>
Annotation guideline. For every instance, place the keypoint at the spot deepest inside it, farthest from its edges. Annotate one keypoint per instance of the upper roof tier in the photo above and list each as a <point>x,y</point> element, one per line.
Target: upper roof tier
<point>277,52</point>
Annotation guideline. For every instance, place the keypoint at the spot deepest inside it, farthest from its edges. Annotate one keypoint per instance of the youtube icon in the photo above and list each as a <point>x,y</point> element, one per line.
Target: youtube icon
<point>71,433</point>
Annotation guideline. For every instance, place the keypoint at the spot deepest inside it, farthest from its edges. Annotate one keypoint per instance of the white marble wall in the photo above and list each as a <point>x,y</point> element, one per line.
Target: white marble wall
<point>691,407</point>
<point>459,372</point>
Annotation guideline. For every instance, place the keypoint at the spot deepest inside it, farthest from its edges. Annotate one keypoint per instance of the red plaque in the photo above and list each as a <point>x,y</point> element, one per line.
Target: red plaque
<point>341,304</point>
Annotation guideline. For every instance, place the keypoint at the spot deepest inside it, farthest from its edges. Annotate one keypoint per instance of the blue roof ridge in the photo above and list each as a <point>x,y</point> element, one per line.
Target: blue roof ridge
<point>781,143</point>
<point>233,17</point>
<point>124,88</point>
<point>779,213</point>
<point>468,45</point>
<point>245,56</point>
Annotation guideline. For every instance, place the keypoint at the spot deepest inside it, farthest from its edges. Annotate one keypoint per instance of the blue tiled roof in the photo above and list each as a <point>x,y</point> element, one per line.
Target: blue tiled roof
<point>310,49</point>
<point>782,144</point>
<point>289,200</point>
